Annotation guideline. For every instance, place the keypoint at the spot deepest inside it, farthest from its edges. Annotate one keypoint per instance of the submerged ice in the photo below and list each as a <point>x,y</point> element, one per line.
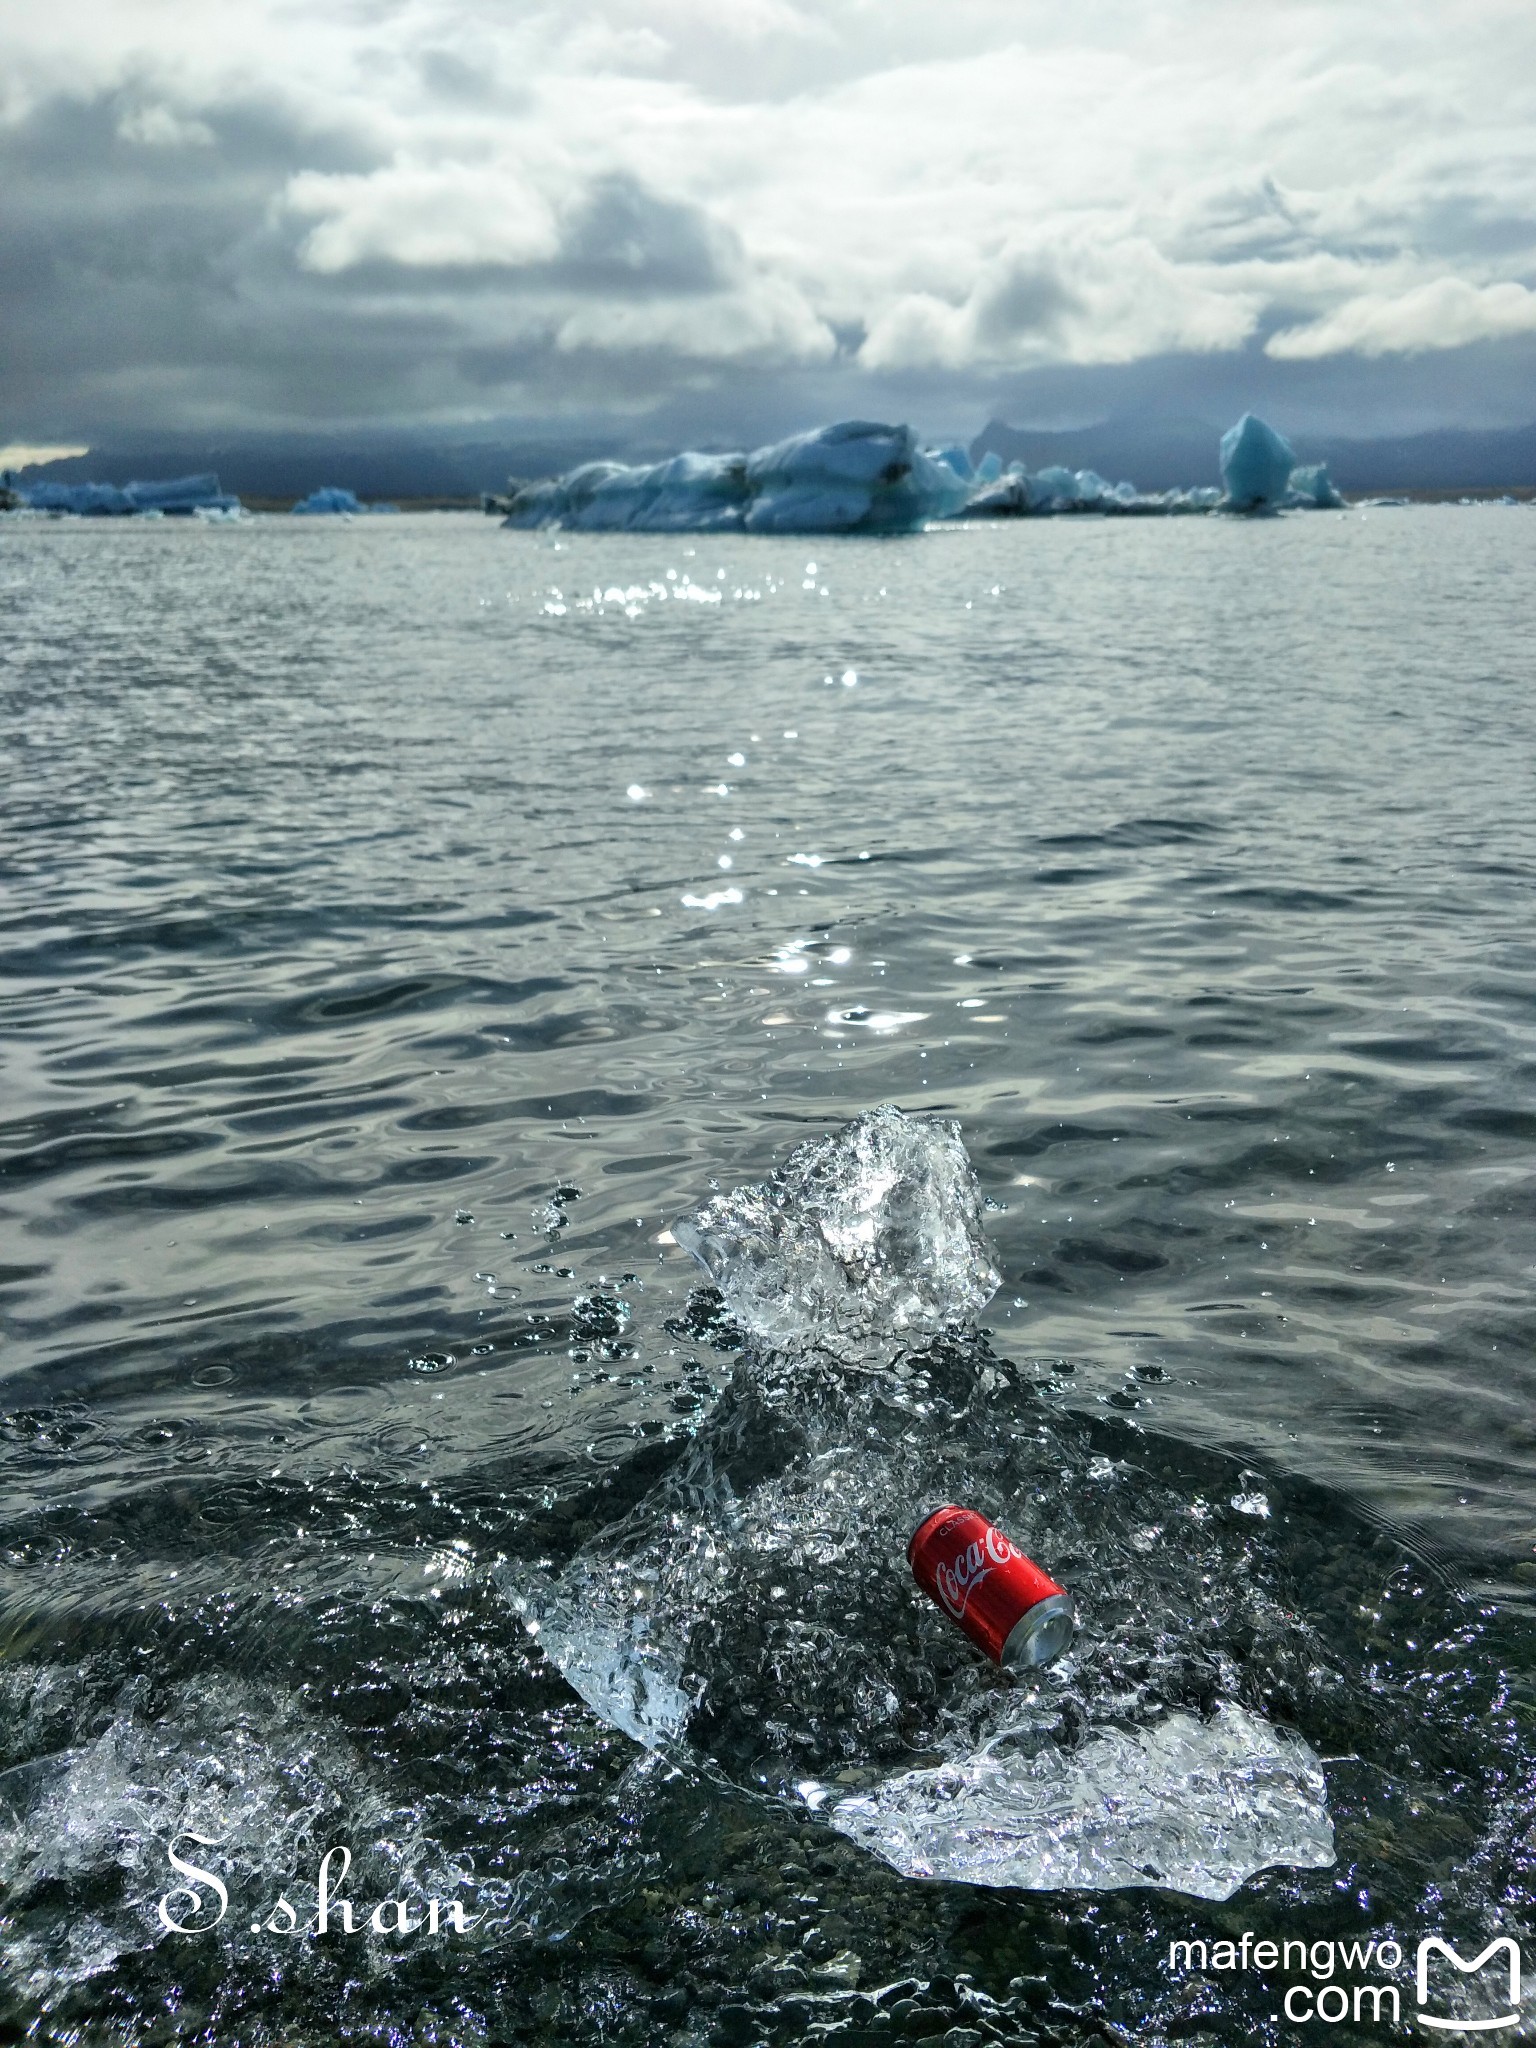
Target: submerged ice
<point>753,1617</point>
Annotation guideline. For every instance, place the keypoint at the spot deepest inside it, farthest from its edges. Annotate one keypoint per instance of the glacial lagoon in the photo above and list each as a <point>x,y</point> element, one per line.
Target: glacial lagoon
<point>409,921</point>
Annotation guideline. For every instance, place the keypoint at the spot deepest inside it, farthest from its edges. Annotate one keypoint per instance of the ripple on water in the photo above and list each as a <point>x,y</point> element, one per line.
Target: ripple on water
<point>335,948</point>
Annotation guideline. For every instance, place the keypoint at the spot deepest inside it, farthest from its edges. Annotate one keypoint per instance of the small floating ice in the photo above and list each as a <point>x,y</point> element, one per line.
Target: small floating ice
<point>863,1244</point>
<point>336,500</point>
<point>1196,1806</point>
<point>753,1610</point>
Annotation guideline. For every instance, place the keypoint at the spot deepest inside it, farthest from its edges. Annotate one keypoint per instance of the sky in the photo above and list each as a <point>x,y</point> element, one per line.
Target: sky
<point>716,222</point>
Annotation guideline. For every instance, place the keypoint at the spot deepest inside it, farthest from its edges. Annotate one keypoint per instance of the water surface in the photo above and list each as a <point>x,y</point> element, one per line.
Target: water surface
<point>404,919</point>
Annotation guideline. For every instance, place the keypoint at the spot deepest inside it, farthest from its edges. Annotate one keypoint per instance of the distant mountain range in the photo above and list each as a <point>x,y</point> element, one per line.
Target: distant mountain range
<point>1161,454</point>
<point>283,467</point>
<point>1153,453</point>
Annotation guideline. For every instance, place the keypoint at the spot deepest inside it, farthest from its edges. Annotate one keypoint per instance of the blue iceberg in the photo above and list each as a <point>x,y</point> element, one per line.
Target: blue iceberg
<point>1256,465</point>
<point>182,494</point>
<point>1311,488</point>
<point>1017,492</point>
<point>855,477</point>
<point>335,498</point>
<point>690,493</point>
<point>175,496</point>
<point>87,501</point>
<point>862,477</point>
<point>958,458</point>
<point>1257,470</point>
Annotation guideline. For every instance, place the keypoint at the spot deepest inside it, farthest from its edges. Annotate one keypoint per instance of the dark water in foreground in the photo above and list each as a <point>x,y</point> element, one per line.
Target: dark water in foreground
<point>375,991</point>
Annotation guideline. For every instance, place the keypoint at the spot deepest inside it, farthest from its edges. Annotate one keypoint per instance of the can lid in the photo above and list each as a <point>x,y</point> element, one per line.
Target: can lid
<point>1040,1634</point>
<point>933,1515</point>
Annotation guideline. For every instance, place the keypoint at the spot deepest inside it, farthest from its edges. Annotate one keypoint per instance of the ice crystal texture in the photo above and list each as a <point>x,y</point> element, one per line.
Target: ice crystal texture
<point>607,1657</point>
<point>864,1244</point>
<point>1194,1805</point>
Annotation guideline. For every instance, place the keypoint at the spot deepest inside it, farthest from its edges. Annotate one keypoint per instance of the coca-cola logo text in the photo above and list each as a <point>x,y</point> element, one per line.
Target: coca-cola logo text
<point>958,1580</point>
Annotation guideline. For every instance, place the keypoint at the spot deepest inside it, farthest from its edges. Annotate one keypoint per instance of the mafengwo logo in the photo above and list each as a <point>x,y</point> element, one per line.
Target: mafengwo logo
<point>1335,1983</point>
<point>1431,1947</point>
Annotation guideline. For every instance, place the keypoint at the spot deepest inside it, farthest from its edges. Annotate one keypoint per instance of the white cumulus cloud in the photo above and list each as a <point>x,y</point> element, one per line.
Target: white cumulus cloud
<point>1447,312</point>
<point>424,215</point>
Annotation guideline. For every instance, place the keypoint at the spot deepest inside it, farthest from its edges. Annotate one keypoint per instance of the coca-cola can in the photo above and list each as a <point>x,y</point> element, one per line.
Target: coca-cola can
<point>983,1582</point>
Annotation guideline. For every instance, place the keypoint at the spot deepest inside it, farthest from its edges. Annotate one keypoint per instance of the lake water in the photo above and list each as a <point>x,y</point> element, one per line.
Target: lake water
<point>404,920</point>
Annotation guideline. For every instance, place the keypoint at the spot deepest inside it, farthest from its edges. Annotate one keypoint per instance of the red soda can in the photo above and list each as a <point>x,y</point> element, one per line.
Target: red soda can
<point>1003,1601</point>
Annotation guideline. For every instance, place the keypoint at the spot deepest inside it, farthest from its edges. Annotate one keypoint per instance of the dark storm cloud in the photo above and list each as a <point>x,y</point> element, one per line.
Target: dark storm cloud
<point>166,280</point>
<point>617,237</point>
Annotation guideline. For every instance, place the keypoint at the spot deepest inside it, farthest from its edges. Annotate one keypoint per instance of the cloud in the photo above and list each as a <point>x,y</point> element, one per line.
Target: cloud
<point>23,454</point>
<point>435,209</point>
<point>423,216</point>
<point>160,128</point>
<point>1445,313</point>
<point>1107,299</point>
<point>766,321</point>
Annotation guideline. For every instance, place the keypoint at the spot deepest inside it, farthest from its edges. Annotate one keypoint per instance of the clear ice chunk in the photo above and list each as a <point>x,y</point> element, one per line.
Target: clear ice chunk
<point>752,1610</point>
<point>1194,1806</point>
<point>631,1683</point>
<point>864,1244</point>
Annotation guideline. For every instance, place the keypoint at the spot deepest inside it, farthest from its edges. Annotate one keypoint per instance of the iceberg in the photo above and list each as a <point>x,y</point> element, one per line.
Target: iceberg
<point>957,457</point>
<point>1256,465</point>
<point>862,477</point>
<point>334,498</point>
<point>175,496</point>
<point>1016,492</point>
<point>183,494</point>
<point>87,501</point>
<point>1257,468</point>
<point>1311,488</point>
<point>864,1244</point>
<point>690,493</point>
<point>855,477</point>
